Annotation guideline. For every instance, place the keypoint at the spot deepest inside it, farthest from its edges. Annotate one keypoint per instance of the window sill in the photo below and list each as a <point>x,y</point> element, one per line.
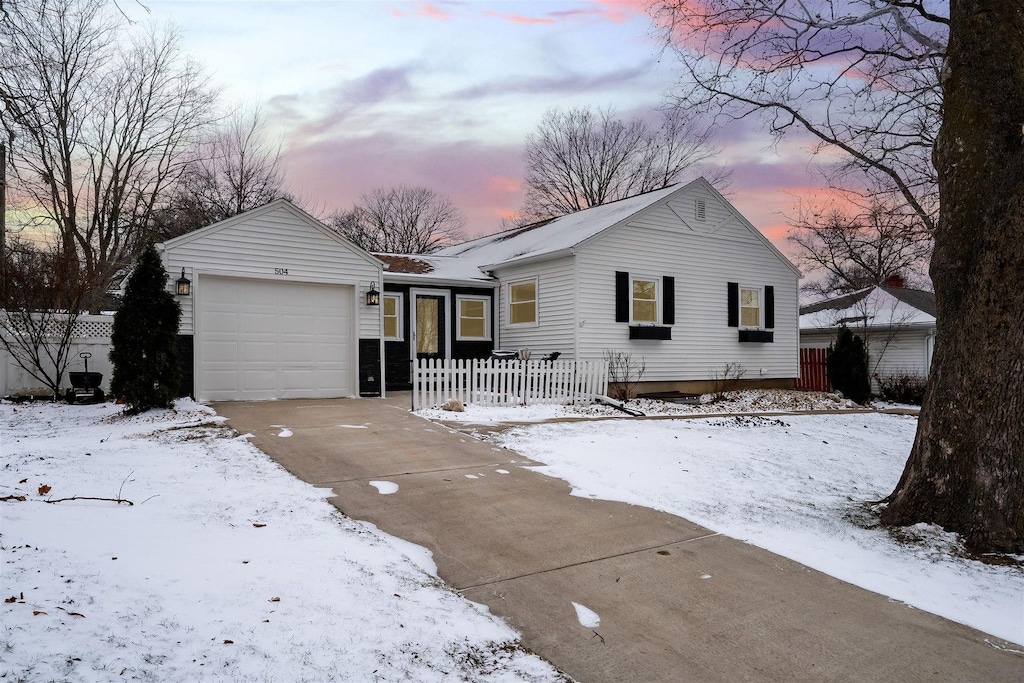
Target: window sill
<point>656,332</point>
<point>757,336</point>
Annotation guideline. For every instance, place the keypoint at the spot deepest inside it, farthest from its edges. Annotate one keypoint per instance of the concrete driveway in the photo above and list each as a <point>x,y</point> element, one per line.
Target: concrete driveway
<point>676,602</point>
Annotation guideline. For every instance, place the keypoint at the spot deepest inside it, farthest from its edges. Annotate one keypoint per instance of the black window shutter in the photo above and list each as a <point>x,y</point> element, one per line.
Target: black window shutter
<point>769,307</point>
<point>734,304</point>
<point>621,297</point>
<point>668,310</point>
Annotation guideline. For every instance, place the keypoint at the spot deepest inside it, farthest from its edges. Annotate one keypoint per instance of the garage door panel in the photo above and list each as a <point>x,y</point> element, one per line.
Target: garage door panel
<point>267,339</point>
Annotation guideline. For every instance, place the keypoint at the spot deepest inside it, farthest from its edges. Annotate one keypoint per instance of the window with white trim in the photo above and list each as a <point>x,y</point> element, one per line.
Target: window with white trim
<point>750,307</point>
<point>474,317</point>
<point>392,305</point>
<point>522,302</point>
<point>643,302</point>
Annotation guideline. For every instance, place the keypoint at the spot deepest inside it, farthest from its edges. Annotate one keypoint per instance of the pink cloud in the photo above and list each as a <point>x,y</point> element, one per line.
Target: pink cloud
<point>433,12</point>
<point>620,10</point>
<point>519,18</point>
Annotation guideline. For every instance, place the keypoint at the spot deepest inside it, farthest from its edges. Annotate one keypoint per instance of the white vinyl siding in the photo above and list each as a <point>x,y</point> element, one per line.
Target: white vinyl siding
<point>702,263</point>
<point>556,301</point>
<point>265,244</point>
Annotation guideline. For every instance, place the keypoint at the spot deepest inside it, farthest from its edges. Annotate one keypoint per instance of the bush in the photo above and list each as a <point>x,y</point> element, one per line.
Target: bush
<point>848,366</point>
<point>902,388</point>
<point>144,339</point>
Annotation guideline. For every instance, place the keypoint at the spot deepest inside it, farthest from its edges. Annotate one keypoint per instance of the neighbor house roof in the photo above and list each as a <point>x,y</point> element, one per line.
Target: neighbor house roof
<point>876,306</point>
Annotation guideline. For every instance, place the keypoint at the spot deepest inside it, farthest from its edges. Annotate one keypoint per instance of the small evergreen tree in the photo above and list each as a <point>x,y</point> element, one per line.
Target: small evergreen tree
<point>144,341</point>
<point>848,366</point>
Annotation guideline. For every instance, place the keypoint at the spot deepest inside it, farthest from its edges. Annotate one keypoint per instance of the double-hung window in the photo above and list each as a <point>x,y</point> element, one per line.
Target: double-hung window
<point>522,302</point>
<point>644,300</point>
<point>474,315</point>
<point>392,317</point>
<point>750,307</point>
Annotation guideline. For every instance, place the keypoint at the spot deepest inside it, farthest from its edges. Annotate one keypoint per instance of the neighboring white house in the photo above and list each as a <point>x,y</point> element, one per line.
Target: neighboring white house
<point>280,306</point>
<point>898,325</point>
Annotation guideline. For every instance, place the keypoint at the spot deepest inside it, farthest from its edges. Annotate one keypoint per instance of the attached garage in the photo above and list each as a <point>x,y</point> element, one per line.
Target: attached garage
<point>277,309</point>
<point>263,339</point>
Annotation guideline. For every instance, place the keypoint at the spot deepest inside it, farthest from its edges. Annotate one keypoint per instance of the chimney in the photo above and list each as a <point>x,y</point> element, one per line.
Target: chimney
<point>895,281</point>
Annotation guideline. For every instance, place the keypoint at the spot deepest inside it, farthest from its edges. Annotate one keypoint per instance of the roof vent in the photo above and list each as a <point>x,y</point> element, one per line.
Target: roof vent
<point>701,210</point>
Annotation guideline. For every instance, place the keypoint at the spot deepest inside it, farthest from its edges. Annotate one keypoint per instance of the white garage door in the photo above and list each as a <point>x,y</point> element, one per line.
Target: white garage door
<point>261,339</point>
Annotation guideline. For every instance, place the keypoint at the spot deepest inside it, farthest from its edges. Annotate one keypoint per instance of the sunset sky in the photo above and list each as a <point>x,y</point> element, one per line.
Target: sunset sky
<point>376,93</point>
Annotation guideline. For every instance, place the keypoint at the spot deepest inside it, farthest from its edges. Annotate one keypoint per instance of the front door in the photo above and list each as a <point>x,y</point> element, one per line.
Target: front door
<point>429,341</point>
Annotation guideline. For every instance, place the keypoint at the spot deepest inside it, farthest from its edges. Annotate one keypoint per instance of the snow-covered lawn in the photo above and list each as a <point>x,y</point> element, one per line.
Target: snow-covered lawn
<point>794,485</point>
<point>225,567</point>
<point>750,401</point>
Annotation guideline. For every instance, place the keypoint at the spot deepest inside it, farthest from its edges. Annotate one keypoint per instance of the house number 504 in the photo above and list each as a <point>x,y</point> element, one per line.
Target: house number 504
<point>280,271</point>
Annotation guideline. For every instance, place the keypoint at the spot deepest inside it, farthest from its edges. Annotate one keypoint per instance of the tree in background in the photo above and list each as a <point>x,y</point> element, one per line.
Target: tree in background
<point>861,244</point>
<point>237,169</point>
<point>847,366</point>
<point>144,339</point>
<point>101,120</point>
<point>581,157</point>
<point>44,296</point>
<point>861,76</point>
<point>401,220</point>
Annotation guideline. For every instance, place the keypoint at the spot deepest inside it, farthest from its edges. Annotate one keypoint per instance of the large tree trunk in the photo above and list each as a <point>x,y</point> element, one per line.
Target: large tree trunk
<point>966,469</point>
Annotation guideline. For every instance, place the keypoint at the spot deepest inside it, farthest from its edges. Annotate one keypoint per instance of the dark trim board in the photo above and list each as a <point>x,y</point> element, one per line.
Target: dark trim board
<point>187,365</point>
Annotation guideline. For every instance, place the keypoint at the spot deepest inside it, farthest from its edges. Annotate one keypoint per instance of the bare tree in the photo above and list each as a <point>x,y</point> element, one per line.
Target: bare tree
<point>44,299</point>
<point>100,122</point>
<point>861,76</point>
<point>581,157</point>
<point>859,244</point>
<point>401,220</point>
<point>237,169</point>
<point>966,470</point>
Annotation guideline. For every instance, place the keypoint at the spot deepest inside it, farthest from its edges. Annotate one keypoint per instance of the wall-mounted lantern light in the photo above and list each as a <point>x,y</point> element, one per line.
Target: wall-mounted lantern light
<point>373,296</point>
<point>184,285</point>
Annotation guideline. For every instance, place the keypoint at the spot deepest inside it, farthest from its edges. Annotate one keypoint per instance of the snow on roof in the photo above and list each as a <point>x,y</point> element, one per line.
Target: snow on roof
<point>431,267</point>
<point>554,235</point>
<point>873,306</point>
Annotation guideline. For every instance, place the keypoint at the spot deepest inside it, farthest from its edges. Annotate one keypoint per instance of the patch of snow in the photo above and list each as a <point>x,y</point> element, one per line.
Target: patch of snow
<point>587,617</point>
<point>471,476</point>
<point>227,567</point>
<point>795,485</point>
<point>705,576</point>
<point>749,401</point>
<point>384,487</point>
<point>352,426</point>
<point>502,471</point>
<point>284,433</point>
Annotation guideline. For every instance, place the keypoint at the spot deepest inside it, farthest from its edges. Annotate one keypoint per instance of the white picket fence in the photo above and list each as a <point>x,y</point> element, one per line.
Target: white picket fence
<point>507,382</point>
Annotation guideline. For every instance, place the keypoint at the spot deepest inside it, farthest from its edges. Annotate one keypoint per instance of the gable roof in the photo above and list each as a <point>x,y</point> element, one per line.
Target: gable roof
<point>558,236</point>
<point>277,204</point>
<point>876,306</point>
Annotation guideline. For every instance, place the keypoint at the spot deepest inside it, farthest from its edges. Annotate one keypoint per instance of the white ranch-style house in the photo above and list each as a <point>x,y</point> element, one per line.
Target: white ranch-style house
<point>280,306</point>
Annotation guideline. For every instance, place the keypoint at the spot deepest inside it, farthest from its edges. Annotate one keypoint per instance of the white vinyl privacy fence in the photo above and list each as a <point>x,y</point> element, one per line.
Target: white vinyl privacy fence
<point>507,382</point>
<point>91,335</point>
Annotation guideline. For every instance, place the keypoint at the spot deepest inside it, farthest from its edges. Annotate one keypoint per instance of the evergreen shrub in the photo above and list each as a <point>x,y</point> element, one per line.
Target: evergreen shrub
<point>848,366</point>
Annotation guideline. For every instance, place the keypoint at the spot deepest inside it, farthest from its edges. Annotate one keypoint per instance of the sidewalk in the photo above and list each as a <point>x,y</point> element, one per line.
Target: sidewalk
<point>676,602</point>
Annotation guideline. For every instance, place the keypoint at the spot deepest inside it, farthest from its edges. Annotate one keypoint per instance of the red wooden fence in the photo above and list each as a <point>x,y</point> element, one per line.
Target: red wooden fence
<point>813,374</point>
